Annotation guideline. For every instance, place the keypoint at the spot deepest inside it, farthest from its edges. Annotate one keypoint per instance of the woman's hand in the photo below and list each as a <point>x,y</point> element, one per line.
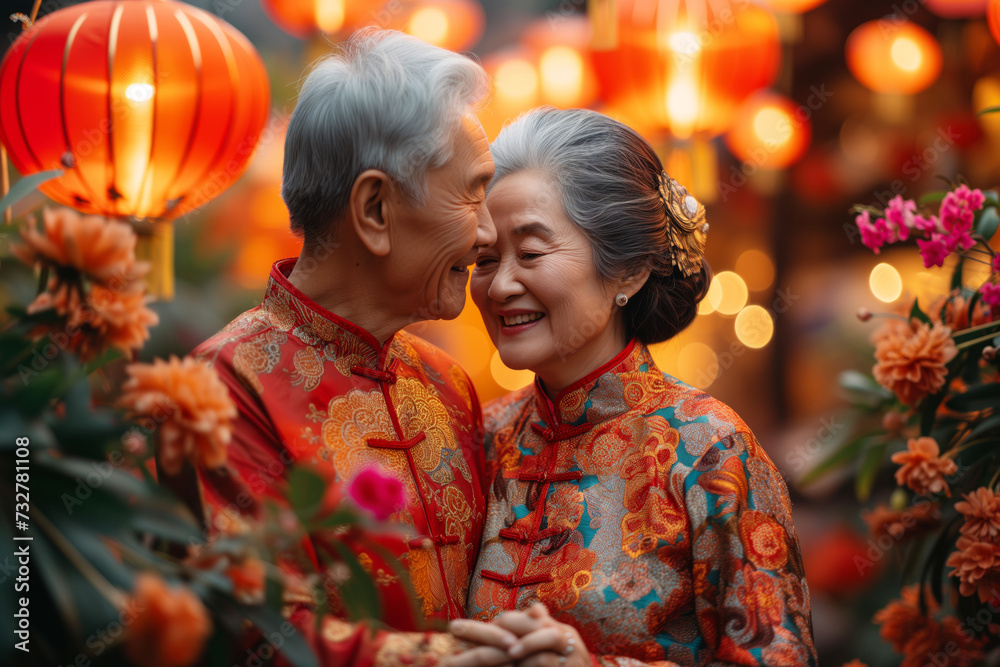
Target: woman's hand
<point>538,641</point>
<point>549,644</point>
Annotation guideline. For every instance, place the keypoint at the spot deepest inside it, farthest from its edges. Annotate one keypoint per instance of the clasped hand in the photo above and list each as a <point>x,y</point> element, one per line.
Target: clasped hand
<point>529,638</point>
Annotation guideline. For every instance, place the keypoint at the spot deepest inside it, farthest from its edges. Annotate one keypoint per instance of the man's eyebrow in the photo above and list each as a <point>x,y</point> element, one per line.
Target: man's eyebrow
<point>533,229</point>
<point>483,177</point>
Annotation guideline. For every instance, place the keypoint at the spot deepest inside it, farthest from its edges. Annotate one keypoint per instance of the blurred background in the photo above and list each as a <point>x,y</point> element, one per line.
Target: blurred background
<point>779,115</point>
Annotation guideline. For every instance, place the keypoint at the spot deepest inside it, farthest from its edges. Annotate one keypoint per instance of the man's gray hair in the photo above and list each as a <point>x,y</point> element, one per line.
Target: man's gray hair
<point>385,101</point>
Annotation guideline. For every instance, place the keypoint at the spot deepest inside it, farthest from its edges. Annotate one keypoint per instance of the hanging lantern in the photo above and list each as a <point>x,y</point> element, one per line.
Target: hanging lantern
<point>902,58</point>
<point>685,66</point>
<point>152,107</point>
<point>792,6</point>
<point>450,24</point>
<point>304,18</point>
<point>565,70</point>
<point>957,9</point>
<point>771,132</point>
<point>516,88</point>
<point>993,18</point>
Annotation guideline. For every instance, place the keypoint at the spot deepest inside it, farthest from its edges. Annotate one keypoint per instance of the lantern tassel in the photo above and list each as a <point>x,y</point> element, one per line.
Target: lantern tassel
<point>603,24</point>
<point>156,246</point>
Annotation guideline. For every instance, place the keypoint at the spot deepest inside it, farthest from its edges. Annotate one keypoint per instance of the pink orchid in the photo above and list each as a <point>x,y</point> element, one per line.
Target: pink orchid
<point>900,216</point>
<point>936,250</point>
<point>958,208</point>
<point>931,224</point>
<point>873,235</point>
<point>379,494</point>
<point>991,294</point>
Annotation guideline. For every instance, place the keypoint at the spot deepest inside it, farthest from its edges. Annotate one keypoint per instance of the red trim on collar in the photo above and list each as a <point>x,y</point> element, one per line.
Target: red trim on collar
<point>593,375</point>
<point>280,271</point>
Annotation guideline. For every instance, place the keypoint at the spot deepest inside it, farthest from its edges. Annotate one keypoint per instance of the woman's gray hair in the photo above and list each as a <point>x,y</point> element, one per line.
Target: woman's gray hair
<point>608,177</point>
<point>385,101</point>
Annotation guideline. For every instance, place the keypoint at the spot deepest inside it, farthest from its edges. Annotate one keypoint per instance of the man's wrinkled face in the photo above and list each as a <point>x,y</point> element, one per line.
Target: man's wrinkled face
<point>438,240</point>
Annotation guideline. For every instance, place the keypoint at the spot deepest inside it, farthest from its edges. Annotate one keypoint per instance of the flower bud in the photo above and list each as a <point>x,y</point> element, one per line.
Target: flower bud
<point>864,314</point>
<point>899,500</point>
<point>893,422</point>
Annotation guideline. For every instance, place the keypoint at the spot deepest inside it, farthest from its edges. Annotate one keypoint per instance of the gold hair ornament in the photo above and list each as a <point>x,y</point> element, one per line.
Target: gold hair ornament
<point>688,229</point>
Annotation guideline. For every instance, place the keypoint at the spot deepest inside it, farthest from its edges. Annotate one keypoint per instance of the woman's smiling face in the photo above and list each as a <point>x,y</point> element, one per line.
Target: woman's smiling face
<point>544,304</point>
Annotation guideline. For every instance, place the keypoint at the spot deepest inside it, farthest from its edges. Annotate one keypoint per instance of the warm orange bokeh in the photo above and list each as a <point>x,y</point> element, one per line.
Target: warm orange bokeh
<point>303,18</point>
<point>450,24</point>
<point>155,105</point>
<point>957,9</point>
<point>687,72</point>
<point>902,59</point>
<point>561,48</point>
<point>793,6</point>
<point>770,132</point>
<point>993,17</point>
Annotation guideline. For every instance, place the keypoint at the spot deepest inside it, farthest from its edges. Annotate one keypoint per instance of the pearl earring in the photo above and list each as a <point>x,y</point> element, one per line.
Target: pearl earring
<point>621,299</point>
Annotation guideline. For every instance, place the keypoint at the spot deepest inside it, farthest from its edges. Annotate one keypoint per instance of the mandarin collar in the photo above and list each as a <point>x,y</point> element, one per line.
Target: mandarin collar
<point>598,396</point>
<point>293,311</point>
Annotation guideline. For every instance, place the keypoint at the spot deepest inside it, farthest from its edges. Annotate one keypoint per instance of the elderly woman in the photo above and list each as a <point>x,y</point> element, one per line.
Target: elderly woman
<point>639,511</point>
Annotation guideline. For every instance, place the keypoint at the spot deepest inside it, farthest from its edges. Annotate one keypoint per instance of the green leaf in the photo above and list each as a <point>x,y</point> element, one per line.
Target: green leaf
<point>931,197</point>
<point>984,427</point>
<point>305,493</point>
<point>26,186</point>
<point>839,458</point>
<point>359,587</point>
<point>867,471</point>
<point>280,633</point>
<point>989,220</point>
<point>987,110</point>
<point>956,274</point>
<point>916,312</point>
<point>975,398</point>
<point>863,390</point>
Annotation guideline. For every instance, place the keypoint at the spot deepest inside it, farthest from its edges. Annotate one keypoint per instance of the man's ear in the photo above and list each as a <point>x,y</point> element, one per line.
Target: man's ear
<point>368,210</point>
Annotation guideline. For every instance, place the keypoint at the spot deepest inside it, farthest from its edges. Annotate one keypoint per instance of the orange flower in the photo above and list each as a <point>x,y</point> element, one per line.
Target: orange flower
<point>111,319</point>
<point>922,469</point>
<point>905,524</point>
<point>170,626</point>
<point>977,566</point>
<point>190,404</point>
<point>248,580</point>
<point>101,249</point>
<point>911,360</point>
<point>854,663</point>
<point>901,619</point>
<point>981,509</point>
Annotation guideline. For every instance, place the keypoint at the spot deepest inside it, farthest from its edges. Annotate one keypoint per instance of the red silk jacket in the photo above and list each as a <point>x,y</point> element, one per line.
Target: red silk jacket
<point>314,389</point>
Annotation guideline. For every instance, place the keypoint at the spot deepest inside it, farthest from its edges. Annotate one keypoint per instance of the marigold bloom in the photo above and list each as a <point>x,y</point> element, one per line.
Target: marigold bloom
<point>911,361</point>
<point>977,566</point>
<point>101,249</point>
<point>981,510</point>
<point>189,403</point>
<point>901,619</point>
<point>248,580</point>
<point>111,319</point>
<point>170,626</point>
<point>904,524</point>
<point>921,467</point>
<point>379,494</point>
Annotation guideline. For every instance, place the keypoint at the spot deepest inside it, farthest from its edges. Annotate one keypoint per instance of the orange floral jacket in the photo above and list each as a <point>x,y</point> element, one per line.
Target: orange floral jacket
<point>314,389</point>
<point>642,512</point>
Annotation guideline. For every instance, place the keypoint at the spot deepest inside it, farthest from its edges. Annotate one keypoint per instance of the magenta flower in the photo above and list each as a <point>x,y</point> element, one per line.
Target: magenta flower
<point>958,208</point>
<point>931,224</point>
<point>873,235</point>
<point>900,217</point>
<point>379,494</point>
<point>991,295</point>
<point>935,250</point>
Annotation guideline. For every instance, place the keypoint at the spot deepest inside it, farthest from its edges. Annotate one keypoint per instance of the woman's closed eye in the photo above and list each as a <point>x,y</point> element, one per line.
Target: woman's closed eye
<point>485,261</point>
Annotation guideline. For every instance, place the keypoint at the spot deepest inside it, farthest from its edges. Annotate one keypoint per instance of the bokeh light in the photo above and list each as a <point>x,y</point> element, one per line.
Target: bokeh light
<point>756,268</point>
<point>731,295</point>
<point>904,60</point>
<point>697,365</point>
<point>508,378</point>
<point>754,326</point>
<point>885,282</point>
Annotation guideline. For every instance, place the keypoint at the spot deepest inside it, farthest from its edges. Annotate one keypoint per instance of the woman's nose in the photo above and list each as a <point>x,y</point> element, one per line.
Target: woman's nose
<point>505,283</point>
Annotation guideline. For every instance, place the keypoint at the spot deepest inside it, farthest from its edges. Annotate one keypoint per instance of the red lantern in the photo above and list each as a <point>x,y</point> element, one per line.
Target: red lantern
<point>565,69</point>
<point>770,132</point>
<point>154,105</point>
<point>957,9</point>
<point>793,6</point>
<point>902,59</point>
<point>514,75</point>
<point>686,66</point>
<point>302,18</point>
<point>993,17</point>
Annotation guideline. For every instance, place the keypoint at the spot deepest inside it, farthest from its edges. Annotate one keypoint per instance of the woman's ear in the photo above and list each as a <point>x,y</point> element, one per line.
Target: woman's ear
<point>633,282</point>
<point>368,210</point>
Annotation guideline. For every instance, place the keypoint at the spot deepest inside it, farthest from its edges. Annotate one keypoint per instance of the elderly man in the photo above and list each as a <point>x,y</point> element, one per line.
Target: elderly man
<point>385,178</point>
